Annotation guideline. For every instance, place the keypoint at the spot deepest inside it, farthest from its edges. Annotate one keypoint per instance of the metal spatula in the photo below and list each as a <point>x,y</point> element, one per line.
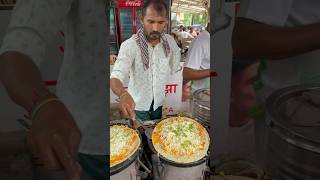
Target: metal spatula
<point>136,124</point>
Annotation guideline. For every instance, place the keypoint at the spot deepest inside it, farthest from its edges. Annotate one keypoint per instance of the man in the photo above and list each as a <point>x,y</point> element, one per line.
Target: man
<point>193,32</point>
<point>285,34</point>
<point>197,64</point>
<point>79,107</point>
<point>148,56</point>
<point>184,34</point>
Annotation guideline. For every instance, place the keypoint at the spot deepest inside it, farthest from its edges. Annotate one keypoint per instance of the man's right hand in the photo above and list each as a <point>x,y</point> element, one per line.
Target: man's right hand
<point>127,105</point>
<point>126,102</point>
<point>54,137</point>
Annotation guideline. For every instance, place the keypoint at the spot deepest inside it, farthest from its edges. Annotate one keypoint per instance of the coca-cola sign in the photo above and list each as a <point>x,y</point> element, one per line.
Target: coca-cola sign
<point>130,3</point>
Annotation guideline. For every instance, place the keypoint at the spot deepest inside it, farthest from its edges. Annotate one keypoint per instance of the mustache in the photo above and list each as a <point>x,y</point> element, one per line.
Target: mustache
<point>154,33</point>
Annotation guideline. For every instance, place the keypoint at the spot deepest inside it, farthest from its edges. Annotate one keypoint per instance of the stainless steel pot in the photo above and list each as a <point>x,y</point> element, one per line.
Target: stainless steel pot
<point>164,169</point>
<point>292,152</point>
<point>129,169</point>
<point>201,106</point>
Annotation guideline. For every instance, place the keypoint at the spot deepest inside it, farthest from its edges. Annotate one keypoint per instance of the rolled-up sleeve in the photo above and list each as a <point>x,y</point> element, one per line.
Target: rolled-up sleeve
<point>33,24</point>
<point>124,61</point>
<point>175,55</point>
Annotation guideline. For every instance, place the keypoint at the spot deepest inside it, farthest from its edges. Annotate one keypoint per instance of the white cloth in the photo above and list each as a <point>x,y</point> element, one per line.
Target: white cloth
<point>301,69</point>
<point>198,58</point>
<point>149,84</point>
<point>82,79</point>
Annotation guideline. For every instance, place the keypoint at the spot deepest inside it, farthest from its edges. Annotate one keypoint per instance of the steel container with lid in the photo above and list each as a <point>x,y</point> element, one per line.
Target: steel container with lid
<point>165,169</point>
<point>292,152</point>
<point>128,169</point>
<point>201,106</point>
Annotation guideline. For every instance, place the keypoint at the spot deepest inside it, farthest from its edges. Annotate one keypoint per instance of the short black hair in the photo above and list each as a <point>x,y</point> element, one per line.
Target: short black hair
<point>158,5</point>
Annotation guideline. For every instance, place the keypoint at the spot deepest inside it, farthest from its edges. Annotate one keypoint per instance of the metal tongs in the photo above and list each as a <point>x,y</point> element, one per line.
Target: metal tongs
<point>138,125</point>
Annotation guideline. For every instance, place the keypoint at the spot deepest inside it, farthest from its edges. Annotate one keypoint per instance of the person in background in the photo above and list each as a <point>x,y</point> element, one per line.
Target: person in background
<point>197,64</point>
<point>193,32</point>
<point>188,29</point>
<point>241,138</point>
<point>180,28</point>
<point>176,38</point>
<point>112,54</point>
<point>184,34</point>
<point>68,128</point>
<point>112,59</point>
<point>148,57</point>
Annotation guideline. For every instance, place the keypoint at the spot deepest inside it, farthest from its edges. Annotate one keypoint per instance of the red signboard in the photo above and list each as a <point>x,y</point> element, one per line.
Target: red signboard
<point>130,3</point>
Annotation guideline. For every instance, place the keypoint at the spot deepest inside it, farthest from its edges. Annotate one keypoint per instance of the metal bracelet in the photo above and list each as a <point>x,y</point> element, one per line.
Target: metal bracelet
<point>41,105</point>
<point>124,93</point>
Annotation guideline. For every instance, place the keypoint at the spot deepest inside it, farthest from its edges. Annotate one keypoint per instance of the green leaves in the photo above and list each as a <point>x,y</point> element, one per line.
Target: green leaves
<point>185,144</point>
<point>191,127</point>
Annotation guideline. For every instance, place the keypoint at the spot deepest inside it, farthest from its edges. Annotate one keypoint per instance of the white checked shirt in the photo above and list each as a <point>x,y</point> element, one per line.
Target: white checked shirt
<point>146,85</point>
<point>82,79</point>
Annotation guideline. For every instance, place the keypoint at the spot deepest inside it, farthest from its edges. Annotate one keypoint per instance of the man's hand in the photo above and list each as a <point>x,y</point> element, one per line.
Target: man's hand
<point>55,138</point>
<point>127,105</point>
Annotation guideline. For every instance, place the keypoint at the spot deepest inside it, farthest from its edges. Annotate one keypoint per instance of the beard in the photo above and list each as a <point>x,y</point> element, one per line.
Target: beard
<point>153,35</point>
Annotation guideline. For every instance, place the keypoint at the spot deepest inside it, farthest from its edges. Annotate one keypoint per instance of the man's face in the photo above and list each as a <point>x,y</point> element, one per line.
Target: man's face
<point>154,23</point>
<point>243,93</point>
